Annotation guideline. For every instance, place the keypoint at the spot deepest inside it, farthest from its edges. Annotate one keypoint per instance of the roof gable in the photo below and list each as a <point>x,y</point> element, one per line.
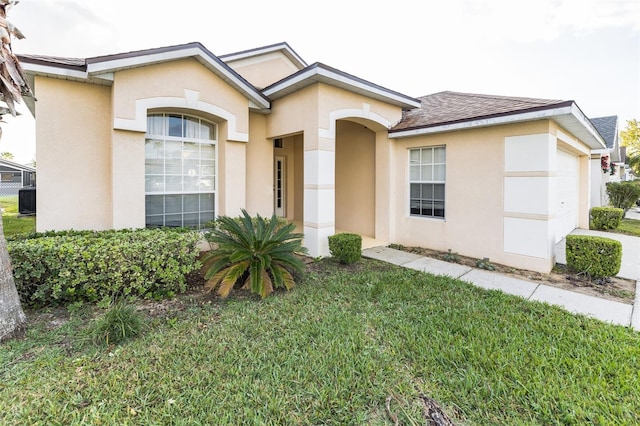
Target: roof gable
<point>283,48</point>
<point>320,73</point>
<point>100,69</point>
<point>265,65</point>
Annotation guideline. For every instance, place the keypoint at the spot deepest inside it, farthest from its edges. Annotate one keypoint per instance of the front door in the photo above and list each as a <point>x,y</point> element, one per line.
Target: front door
<point>280,188</point>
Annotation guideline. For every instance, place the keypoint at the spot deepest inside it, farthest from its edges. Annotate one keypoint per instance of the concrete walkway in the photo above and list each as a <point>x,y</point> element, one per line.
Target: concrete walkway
<point>602,309</point>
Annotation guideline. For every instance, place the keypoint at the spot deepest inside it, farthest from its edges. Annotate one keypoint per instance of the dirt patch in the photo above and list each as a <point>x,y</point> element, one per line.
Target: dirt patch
<point>617,289</point>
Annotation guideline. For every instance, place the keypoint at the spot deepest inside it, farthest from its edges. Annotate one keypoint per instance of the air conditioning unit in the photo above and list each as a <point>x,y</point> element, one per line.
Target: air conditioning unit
<point>27,201</point>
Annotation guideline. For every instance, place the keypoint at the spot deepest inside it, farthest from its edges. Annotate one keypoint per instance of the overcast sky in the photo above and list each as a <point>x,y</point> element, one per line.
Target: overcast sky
<point>582,50</point>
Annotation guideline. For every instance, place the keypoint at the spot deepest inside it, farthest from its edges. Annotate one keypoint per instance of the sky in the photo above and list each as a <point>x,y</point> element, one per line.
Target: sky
<point>587,51</point>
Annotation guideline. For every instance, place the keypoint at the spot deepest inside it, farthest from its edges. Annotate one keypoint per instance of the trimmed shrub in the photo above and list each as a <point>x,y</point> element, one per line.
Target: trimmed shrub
<point>596,257</point>
<point>345,247</point>
<point>604,218</point>
<point>100,266</point>
<point>623,195</point>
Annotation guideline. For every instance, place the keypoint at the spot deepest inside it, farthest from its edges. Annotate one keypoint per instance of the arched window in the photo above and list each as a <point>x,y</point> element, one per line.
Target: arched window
<point>180,171</point>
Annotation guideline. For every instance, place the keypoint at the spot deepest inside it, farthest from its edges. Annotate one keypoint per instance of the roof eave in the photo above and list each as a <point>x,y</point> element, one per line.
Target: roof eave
<point>319,73</point>
<point>98,67</point>
<point>279,47</point>
<point>567,114</point>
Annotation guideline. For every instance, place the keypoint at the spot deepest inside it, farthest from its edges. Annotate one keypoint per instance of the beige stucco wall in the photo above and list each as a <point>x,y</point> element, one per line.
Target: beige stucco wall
<point>264,70</point>
<point>73,145</point>
<point>474,194</point>
<point>91,147</point>
<point>128,180</point>
<point>355,178</point>
<point>183,79</point>
<point>259,168</point>
<point>198,92</point>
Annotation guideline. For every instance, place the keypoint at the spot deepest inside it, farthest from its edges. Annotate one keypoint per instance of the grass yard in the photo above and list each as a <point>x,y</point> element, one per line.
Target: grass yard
<point>11,222</point>
<point>331,352</point>
<point>629,227</point>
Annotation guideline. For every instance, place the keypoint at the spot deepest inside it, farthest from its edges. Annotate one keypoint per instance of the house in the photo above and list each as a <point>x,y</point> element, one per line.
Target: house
<point>14,176</point>
<point>607,165</point>
<point>176,135</point>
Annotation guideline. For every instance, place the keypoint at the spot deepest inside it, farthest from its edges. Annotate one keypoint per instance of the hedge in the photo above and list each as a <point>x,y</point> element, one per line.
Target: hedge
<point>604,218</point>
<point>345,247</point>
<point>597,257</point>
<point>623,195</point>
<point>58,268</point>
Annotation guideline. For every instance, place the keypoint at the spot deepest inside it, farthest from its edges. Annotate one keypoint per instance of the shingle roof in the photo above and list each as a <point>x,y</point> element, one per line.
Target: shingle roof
<point>75,63</point>
<point>455,107</point>
<point>607,127</point>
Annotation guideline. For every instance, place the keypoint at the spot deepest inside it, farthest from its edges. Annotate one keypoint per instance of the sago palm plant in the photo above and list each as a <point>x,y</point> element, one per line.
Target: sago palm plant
<point>257,253</point>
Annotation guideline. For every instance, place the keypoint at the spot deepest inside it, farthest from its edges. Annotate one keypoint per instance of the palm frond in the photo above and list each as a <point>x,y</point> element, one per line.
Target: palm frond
<point>213,282</point>
<point>276,272</point>
<point>267,286</point>
<point>226,286</point>
<point>288,281</point>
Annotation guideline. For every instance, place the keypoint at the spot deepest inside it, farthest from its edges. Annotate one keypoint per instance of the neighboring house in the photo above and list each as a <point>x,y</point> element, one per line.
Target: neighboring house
<point>607,165</point>
<point>176,136</point>
<point>14,176</point>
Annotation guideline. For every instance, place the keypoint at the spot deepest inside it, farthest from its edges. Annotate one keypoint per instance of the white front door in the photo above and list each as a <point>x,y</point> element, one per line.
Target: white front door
<point>280,187</point>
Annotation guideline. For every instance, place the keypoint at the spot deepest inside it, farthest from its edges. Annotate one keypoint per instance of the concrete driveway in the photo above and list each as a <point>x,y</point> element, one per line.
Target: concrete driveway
<point>630,267</point>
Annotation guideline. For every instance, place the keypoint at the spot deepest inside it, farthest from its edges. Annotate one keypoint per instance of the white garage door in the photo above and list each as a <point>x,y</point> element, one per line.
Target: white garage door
<point>567,190</point>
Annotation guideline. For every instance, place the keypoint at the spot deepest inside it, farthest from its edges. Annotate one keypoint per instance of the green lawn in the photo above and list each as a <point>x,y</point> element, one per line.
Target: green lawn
<point>331,352</point>
<point>629,227</point>
<point>11,222</point>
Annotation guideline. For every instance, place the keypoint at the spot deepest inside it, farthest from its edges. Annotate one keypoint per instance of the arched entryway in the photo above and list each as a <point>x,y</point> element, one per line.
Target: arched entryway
<point>355,178</point>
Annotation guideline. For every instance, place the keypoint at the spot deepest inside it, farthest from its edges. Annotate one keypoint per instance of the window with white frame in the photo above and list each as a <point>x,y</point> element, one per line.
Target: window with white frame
<point>427,173</point>
<point>180,171</point>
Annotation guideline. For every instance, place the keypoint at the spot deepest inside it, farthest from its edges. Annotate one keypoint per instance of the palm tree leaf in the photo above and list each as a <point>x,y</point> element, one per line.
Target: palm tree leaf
<point>288,281</point>
<point>267,286</point>
<point>213,282</point>
<point>255,274</point>
<point>276,272</point>
<point>226,286</point>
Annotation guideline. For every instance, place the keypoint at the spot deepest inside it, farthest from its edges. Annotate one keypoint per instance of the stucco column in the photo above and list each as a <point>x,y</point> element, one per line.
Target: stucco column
<point>385,198</point>
<point>233,184</point>
<point>319,193</point>
<point>127,177</point>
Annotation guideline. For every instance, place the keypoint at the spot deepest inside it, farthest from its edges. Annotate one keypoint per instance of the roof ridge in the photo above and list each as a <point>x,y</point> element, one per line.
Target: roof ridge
<point>502,97</point>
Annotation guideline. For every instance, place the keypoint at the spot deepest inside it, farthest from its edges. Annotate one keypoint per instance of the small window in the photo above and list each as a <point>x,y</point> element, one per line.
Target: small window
<point>277,143</point>
<point>427,175</point>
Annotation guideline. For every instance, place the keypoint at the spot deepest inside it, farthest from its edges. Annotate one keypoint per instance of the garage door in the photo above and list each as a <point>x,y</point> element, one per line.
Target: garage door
<point>567,190</point>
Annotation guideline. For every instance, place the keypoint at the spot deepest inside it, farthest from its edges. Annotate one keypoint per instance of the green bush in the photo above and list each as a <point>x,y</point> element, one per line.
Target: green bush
<point>59,268</point>
<point>604,218</point>
<point>345,247</point>
<point>596,257</point>
<point>256,253</point>
<point>623,195</point>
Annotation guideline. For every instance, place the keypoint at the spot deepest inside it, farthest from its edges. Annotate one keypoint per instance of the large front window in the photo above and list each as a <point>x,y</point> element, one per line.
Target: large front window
<point>427,172</point>
<point>180,171</point>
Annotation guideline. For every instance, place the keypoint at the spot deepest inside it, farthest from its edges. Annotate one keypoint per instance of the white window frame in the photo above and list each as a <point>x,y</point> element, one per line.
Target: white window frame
<point>416,167</point>
<point>183,139</point>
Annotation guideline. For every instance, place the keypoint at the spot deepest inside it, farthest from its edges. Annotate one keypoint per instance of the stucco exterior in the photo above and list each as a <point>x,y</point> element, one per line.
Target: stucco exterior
<point>341,167</point>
